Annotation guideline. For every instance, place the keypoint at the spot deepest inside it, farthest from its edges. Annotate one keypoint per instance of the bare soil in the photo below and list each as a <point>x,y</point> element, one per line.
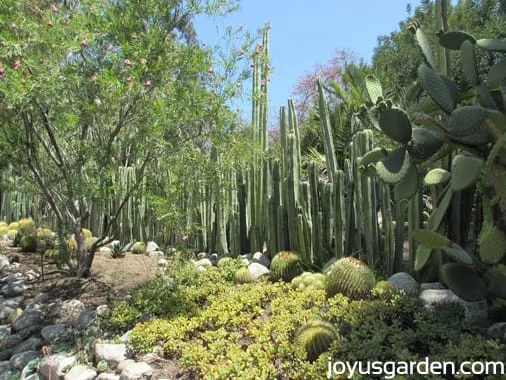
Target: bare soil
<point>110,279</point>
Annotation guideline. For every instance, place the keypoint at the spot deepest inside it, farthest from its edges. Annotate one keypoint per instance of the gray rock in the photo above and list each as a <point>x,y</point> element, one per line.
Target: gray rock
<point>497,331</point>
<point>5,331</point>
<point>12,278</point>
<point>5,366</point>
<point>105,250</point>
<point>52,366</point>
<point>247,256</point>
<point>13,288</point>
<point>257,270</point>
<point>4,261</point>
<point>27,319</point>
<point>108,376</point>
<point>84,318</point>
<point>213,257</point>
<point>246,262</point>
<point>35,376</point>
<point>123,364</point>
<point>102,309</point>
<point>31,344</point>
<point>40,298</point>
<point>201,255</point>
<point>151,358</point>
<point>128,247</point>
<point>404,281</point>
<point>163,263</point>
<point>156,254</point>
<point>81,372</point>
<point>10,342</point>
<point>152,247</point>
<point>475,312</point>
<point>13,303</point>
<point>431,285</point>
<point>137,371</point>
<point>5,311</point>
<point>125,337</point>
<point>69,310</point>
<point>111,353</point>
<point>50,332</point>
<point>260,258</point>
<point>21,359</point>
<point>11,374</point>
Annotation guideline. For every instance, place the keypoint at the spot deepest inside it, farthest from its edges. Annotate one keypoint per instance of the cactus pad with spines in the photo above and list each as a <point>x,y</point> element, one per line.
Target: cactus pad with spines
<point>424,143</point>
<point>492,44</point>
<point>285,266</point>
<point>431,239</point>
<point>395,124</point>
<point>316,337</point>
<point>465,171</point>
<point>408,186</point>
<point>373,156</point>
<point>439,87</point>
<point>394,167</point>
<point>498,281</point>
<point>437,176</point>
<point>463,281</point>
<point>350,277</point>
<point>453,40</point>
<point>492,242</point>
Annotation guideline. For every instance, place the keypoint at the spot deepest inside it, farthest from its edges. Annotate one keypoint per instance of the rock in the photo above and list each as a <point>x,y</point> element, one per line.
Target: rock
<point>52,366</point>
<point>156,254</point>
<point>5,331</point>
<point>48,333</point>
<point>5,311</point>
<point>12,277</point>
<point>84,318</point>
<point>105,250</point>
<point>213,257</point>
<point>123,364</point>
<point>152,247</point>
<point>163,263</point>
<point>111,353</point>
<point>431,285</point>
<point>152,358</point>
<point>404,281</point>
<point>81,372</point>
<point>5,366</point>
<point>107,376</point>
<point>102,310</point>
<point>69,310</point>
<point>260,258</point>
<point>475,312</point>
<point>13,303</point>
<point>137,371</point>
<point>247,256</point>
<point>257,270</point>
<point>41,298</point>
<point>20,360</point>
<point>246,262</point>
<point>4,261</point>
<point>33,343</point>
<point>203,263</point>
<point>201,255</point>
<point>128,247</point>
<point>13,288</point>
<point>35,376</point>
<point>31,275</point>
<point>125,337</point>
<point>27,319</point>
<point>497,331</point>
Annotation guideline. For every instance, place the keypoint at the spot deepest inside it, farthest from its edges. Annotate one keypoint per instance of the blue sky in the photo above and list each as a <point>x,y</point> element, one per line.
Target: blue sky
<point>307,32</point>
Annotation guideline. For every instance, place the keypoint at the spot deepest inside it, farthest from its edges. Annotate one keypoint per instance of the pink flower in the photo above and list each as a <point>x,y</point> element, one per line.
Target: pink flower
<point>210,70</point>
<point>49,23</point>
<point>127,62</point>
<point>54,9</point>
<point>13,26</point>
<point>147,84</point>
<point>2,70</point>
<point>83,43</point>
<point>16,64</point>
<point>184,237</point>
<point>130,79</point>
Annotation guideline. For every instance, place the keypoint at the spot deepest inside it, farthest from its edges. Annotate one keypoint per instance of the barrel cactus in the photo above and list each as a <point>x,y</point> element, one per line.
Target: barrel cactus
<point>11,235</point>
<point>309,281</point>
<point>13,226</point>
<point>4,230</point>
<point>285,266</point>
<point>316,337</point>
<point>90,241</point>
<point>139,248</point>
<point>28,243</point>
<point>351,277</point>
<point>244,276</point>
<point>383,289</point>
<point>87,233</point>
<point>26,226</point>
<point>44,234</point>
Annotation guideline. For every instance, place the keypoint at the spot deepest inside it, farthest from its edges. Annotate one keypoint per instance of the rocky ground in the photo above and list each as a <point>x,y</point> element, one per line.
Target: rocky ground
<point>35,308</point>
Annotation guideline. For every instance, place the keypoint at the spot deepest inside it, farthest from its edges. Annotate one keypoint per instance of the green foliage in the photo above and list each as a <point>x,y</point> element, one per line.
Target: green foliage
<point>351,277</point>
<point>117,252</point>
<point>139,248</point>
<point>285,266</point>
<point>28,243</point>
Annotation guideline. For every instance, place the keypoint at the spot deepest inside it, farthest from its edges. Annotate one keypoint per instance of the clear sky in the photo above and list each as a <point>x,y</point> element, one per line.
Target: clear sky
<point>307,32</point>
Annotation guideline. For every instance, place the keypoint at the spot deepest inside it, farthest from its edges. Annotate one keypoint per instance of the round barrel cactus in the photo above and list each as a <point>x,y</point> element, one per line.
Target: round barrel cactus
<point>350,277</point>
<point>244,276</point>
<point>316,337</point>
<point>285,266</point>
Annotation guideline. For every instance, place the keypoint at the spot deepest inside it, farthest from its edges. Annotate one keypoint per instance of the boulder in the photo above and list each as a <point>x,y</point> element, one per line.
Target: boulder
<point>84,318</point>
<point>152,247</point>
<point>111,353</point>
<point>50,332</point>
<point>28,318</point>
<point>52,366</point>
<point>404,281</point>
<point>81,372</point>
<point>257,270</point>
<point>21,359</point>
<point>260,258</point>
<point>497,331</point>
<point>137,371</point>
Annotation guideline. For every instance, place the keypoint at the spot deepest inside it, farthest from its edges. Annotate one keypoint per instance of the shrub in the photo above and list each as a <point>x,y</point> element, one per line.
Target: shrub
<point>285,266</point>
<point>139,248</point>
<point>117,252</point>
<point>28,243</point>
<point>350,277</point>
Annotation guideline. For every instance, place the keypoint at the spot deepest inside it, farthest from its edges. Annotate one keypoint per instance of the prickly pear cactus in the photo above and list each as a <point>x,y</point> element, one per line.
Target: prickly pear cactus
<point>285,266</point>
<point>316,337</point>
<point>351,277</point>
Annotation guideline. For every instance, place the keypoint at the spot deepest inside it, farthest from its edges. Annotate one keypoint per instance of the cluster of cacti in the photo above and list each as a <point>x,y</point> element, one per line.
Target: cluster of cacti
<point>243,276</point>
<point>285,266</point>
<point>350,277</point>
<point>383,289</point>
<point>139,248</point>
<point>315,337</point>
<point>309,281</point>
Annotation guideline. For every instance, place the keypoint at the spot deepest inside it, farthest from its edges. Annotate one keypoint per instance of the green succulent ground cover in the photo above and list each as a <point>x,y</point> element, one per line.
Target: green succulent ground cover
<point>223,330</point>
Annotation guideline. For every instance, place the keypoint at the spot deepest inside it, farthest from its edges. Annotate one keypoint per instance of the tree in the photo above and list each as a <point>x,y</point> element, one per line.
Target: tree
<point>88,86</point>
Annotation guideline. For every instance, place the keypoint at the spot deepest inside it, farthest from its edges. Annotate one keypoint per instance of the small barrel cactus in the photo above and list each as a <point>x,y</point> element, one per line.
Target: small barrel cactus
<point>11,235</point>
<point>351,277</point>
<point>28,243</point>
<point>316,337</point>
<point>13,226</point>
<point>90,241</point>
<point>244,276</point>
<point>383,289</point>
<point>45,234</point>
<point>26,226</point>
<point>309,281</point>
<point>4,230</point>
<point>285,266</point>
<point>87,233</point>
<point>139,248</point>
